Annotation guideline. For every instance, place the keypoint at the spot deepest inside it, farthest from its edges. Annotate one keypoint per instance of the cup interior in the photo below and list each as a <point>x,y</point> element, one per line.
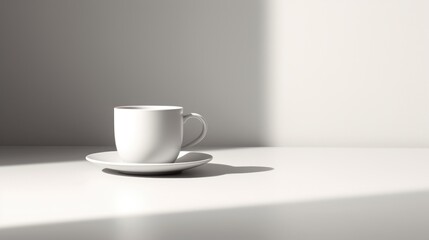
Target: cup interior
<point>149,107</point>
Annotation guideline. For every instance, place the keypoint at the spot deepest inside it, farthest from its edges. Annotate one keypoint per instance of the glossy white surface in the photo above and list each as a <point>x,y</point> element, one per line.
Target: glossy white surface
<point>152,134</point>
<point>185,160</point>
<point>244,193</point>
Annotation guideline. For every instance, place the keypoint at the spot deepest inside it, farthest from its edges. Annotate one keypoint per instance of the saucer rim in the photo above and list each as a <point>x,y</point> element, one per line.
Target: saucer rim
<point>208,159</point>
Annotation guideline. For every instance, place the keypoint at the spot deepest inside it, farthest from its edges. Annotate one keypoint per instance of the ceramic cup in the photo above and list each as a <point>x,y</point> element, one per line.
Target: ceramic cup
<point>152,134</point>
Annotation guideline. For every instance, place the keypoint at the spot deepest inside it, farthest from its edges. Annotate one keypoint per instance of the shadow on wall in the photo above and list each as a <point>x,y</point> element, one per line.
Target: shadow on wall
<point>65,65</point>
<point>395,216</point>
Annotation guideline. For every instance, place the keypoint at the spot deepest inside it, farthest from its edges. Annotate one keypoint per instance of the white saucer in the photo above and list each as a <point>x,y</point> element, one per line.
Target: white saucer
<point>185,160</point>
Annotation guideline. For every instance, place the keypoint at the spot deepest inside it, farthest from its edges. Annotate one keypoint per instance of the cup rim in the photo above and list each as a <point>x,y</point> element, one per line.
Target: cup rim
<point>148,107</point>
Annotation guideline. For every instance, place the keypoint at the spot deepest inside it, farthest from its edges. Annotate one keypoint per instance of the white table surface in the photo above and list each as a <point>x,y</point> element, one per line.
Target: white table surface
<point>244,193</point>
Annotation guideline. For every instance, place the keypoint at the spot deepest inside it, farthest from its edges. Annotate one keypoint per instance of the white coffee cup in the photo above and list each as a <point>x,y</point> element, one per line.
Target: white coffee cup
<point>152,134</point>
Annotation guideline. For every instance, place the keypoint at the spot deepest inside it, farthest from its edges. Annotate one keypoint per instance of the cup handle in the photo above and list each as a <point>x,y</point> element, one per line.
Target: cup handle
<point>203,131</point>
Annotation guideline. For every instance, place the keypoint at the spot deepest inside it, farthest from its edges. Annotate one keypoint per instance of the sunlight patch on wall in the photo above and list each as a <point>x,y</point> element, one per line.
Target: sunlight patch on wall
<point>347,73</point>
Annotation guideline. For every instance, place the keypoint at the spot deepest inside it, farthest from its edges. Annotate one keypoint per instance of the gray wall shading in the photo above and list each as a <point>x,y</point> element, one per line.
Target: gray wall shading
<point>64,65</point>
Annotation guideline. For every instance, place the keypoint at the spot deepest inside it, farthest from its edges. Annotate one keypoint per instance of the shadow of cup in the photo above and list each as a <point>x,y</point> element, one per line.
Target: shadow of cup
<point>208,170</point>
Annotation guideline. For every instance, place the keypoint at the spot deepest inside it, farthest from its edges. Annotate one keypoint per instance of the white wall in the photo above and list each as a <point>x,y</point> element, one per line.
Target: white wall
<point>277,72</point>
<point>348,73</point>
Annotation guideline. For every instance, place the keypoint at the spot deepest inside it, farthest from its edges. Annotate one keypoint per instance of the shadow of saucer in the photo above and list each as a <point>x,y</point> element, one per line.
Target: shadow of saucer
<point>208,170</point>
